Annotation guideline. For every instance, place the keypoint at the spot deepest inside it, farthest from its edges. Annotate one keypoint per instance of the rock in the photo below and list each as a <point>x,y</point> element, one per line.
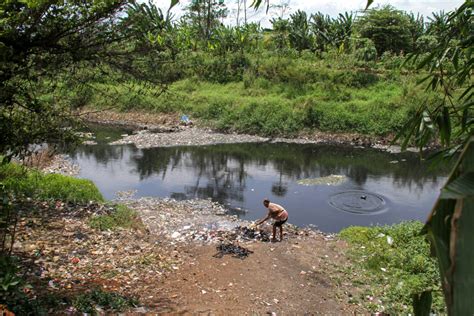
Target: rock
<point>140,310</point>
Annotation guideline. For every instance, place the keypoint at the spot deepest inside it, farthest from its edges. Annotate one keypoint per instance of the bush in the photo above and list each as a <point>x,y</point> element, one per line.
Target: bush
<point>356,79</point>
<point>221,69</point>
<point>391,60</point>
<point>12,294</point>
<point>35,184</point>
<point>364,49</point>
<point>397,264</point>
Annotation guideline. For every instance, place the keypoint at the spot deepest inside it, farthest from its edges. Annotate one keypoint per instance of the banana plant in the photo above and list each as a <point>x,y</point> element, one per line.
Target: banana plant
<point>299,32</point>
<point>449,228</point>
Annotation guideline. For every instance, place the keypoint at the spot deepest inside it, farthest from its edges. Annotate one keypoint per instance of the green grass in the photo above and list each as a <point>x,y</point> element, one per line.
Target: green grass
<point>37,185</point>
<point>394,263</point>
<point>122,217</point>
<point>281,96</point>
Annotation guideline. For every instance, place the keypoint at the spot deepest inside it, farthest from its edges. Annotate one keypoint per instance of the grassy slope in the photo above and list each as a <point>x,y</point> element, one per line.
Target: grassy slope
<point>282,96</point>
<point>393,263</point>
<point>35,184</point>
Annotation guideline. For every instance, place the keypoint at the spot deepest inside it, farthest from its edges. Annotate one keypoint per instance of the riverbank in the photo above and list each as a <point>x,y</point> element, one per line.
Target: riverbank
<point>193,257</point>
<point>172,264</point>
<point>175,260</point>
<point>155,130</point>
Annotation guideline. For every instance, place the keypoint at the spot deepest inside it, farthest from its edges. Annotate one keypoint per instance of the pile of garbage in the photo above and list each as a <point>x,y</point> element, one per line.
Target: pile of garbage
<point>185,137</point>
<point>62,164</point>
<point>60,253</point>
<point>183,221</point>
<point>248,233</point>
<point>235,250</point>
<point>200,220</point>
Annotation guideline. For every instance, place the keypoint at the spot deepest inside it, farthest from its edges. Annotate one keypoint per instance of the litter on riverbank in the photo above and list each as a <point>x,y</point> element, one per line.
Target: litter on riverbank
<point>185,137</point>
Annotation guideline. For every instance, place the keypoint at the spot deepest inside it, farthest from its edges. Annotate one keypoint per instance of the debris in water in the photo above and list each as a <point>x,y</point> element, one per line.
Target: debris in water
<point>332,179</point>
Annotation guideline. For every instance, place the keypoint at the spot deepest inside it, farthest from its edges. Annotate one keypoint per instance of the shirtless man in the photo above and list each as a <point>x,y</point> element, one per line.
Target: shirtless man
<point>278,213</point>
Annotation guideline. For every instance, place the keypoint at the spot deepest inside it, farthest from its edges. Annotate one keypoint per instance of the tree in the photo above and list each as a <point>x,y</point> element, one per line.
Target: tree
<point>416,28</point>
<point>280,32</point>
<point>331,32</point>
<point>48,45</point>
<point>204,16</point>
<point>450,67</point>
<point>388,28</point>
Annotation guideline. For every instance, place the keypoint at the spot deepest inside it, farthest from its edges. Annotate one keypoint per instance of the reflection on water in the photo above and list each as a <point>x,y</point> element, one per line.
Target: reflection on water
<point>241,175</point>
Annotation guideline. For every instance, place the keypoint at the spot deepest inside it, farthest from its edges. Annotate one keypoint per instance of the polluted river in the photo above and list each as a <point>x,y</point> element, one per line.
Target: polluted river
<point>327,187</point>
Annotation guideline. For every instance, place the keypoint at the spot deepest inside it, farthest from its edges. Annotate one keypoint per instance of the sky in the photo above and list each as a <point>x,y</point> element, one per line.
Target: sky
<point>331,7</point>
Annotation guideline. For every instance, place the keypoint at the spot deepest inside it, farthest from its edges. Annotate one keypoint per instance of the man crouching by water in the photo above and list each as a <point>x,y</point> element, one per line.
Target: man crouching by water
<point>278,213</point>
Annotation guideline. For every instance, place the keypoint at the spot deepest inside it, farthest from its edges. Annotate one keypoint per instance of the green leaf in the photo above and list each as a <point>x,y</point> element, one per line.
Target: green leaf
<point>369,2</point>
<point>173,3</point>
<point>426,60</point>
<point>445,127</point>
<point>460,188</point>
<point>450,230</point>
<point>422,303</point>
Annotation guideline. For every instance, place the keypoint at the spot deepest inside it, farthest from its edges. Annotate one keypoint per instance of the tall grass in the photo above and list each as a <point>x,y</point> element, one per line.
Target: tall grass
<point>278,95</point>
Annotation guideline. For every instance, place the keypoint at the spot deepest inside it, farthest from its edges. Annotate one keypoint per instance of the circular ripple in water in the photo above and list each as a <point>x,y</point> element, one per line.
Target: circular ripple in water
<point>359,202</point>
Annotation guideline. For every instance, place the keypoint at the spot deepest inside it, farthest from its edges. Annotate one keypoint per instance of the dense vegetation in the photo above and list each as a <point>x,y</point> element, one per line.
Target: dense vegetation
<point>307,71</point>
<point>395,263</point>
<point>35,184</point>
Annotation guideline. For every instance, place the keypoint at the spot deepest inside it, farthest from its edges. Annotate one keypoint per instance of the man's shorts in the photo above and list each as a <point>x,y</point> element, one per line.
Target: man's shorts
<point>279,223</point>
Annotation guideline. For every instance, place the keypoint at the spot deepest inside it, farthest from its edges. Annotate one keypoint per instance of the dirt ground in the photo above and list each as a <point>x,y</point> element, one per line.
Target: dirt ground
<point>62,256</point>
<point>301,275</point>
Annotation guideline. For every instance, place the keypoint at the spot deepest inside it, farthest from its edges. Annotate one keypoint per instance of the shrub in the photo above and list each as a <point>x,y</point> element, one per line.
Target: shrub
<point>364,49</point>
<point>356,79</point>
<point>35,184</point>
<point>391,60</point>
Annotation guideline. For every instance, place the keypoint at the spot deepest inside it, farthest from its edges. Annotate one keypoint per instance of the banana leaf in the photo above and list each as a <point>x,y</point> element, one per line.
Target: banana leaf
<point>450,228</point>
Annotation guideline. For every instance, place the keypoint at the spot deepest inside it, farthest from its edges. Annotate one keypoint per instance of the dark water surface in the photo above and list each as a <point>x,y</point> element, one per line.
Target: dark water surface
<point>381,188</point>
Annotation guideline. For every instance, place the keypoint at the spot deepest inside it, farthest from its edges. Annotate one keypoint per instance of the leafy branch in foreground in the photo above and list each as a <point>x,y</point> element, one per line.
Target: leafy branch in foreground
<point>46,46</point>
<point>449,228</point>
<point>450,66</point>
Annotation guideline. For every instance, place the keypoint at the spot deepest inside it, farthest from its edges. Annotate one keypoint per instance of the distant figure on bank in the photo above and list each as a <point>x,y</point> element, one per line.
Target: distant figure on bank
<point>276,212</point>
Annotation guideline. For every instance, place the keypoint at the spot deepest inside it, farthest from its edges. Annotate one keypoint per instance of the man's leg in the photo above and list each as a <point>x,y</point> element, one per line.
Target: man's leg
<point>274,231</point>
<point>281,232</point>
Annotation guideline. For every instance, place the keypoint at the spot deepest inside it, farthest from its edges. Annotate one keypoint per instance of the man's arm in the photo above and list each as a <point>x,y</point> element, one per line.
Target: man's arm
<point>264,219</point>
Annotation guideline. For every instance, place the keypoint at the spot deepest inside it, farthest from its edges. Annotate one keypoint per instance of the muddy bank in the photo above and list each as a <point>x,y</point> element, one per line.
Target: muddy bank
<point>200,221</point>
